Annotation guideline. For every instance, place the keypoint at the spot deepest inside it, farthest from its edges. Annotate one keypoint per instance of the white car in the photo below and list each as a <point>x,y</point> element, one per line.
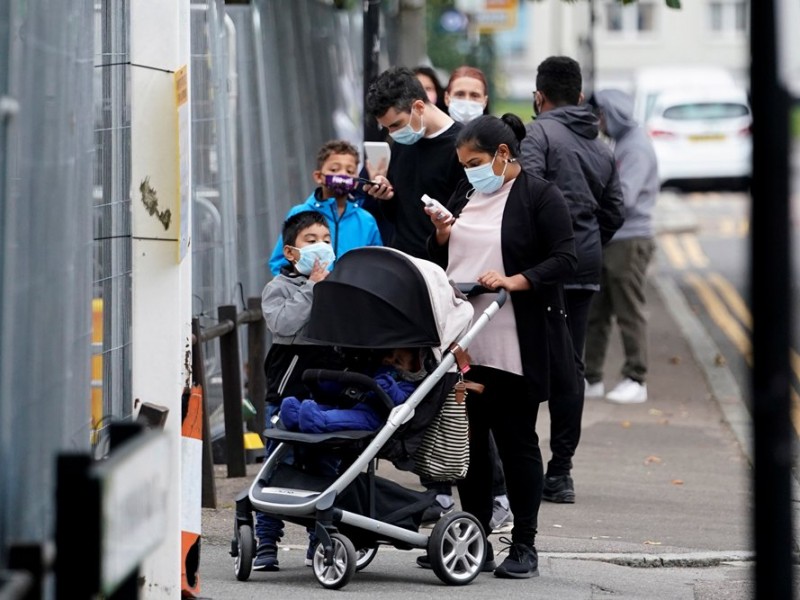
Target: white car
<point>702,135</point>
<point>649,82</point>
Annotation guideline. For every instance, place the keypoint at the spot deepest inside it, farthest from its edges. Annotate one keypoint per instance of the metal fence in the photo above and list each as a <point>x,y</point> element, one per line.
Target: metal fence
<point>46,257</point>
<point>271,82</point>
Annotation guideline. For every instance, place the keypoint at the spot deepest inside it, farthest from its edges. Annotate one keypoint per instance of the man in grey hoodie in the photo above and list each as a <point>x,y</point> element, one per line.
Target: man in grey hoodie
<point>625,258</point>
<point>562,146</point>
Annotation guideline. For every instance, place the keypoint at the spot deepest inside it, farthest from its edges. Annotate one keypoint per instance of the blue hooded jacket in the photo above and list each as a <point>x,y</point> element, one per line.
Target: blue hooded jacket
<point>353,229</point>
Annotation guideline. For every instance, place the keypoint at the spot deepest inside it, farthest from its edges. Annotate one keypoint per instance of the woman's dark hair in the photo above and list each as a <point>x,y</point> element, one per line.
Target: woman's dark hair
<point>487,132</point>
<point>431,74</point>
<point>298,222</point>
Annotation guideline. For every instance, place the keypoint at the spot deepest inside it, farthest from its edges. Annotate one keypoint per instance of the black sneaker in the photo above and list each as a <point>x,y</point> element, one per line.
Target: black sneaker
<point>559,489</point>
<point>522,561</point>
<point>489,565</point>
<point>266,558</point>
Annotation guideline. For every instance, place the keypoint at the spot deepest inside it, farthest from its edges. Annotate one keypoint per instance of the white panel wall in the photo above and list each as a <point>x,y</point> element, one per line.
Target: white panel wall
<point>161,281</point>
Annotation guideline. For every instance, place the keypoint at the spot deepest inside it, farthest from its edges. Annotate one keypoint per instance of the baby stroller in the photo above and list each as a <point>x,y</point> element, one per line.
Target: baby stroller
<point>375,298</point>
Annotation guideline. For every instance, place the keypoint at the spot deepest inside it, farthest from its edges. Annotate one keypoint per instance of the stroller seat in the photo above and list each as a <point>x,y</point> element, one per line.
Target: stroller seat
<point>334,438</point>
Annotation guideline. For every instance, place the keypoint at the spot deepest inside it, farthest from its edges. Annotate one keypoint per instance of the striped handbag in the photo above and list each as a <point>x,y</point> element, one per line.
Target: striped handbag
<point>443,454</point>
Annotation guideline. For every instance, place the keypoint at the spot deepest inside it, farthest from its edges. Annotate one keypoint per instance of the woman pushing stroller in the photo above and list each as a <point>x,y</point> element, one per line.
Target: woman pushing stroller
<point>510,230</point>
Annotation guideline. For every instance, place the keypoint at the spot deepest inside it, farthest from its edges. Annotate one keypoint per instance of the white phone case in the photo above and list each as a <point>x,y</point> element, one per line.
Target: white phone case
<point>377,151</point>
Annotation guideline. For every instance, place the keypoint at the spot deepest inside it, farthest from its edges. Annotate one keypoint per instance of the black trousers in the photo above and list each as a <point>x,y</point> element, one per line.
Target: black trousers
<point>566,410</point>
<point>506,410</point>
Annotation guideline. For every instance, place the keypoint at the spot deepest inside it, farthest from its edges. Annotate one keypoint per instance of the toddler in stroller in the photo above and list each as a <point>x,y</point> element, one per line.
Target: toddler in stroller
<point>398,374</point>
<point>401,302</point>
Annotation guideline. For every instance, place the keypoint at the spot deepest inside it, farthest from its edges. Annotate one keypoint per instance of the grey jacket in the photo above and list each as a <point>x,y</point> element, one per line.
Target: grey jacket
<point>286,304</point>
<point>562,145</point>
<point>636,162</point>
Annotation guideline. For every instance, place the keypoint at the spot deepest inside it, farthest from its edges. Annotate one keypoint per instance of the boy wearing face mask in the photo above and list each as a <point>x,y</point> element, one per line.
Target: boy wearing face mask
<point>350,225</point>
<point>423,157</point>
<point>286,305</point>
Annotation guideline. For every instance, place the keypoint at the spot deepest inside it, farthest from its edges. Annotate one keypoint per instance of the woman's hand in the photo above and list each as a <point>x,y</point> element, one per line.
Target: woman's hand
<point>441,221</point>
<point>382,191</point>
<point>493,280</point>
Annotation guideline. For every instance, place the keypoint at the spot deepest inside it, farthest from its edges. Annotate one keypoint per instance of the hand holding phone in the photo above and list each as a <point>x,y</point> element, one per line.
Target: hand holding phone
<point>438,210</point>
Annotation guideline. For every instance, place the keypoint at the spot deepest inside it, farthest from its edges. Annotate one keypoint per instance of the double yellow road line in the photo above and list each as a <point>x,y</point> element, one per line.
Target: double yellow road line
<point>722,301</point>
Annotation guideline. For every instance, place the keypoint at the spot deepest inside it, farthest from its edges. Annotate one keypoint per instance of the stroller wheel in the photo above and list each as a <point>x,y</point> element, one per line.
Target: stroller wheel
<point>457,548</point>
<point>243,559</point>
<point>364,556</point>
<point>337,574</point>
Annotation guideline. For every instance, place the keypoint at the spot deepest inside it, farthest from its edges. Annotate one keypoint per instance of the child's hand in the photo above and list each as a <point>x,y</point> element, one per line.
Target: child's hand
<point>382,191</point>
<point>319,271</point>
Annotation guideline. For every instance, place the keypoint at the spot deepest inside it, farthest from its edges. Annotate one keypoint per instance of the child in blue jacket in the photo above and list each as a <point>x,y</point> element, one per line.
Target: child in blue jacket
<point>337,177</point>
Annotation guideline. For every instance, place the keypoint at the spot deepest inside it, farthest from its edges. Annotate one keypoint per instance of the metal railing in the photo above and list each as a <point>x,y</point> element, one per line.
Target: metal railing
<point>227,331</point>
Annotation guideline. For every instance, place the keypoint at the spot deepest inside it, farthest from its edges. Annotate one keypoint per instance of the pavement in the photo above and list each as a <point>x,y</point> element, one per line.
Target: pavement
<point>663,491</point>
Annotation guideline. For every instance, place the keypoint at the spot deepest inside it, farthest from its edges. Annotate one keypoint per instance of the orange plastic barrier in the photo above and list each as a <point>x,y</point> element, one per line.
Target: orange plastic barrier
<point>191,490</point>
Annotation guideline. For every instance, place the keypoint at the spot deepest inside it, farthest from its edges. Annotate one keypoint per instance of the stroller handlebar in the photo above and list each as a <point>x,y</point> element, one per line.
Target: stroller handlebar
<point>475,289</point>
<point>349,378</point>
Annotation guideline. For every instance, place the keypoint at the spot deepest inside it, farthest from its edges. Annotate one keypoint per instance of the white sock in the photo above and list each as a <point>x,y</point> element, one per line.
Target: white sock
<point>503,500</point>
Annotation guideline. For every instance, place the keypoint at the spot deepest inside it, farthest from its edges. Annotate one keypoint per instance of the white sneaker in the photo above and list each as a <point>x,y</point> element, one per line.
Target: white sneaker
<point>628,391</point>
<point>502,518</point>
<point>593,390</point>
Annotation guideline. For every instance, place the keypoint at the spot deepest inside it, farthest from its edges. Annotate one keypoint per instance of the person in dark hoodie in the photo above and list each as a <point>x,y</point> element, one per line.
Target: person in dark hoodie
<point>562,145</point>
<point>625,257</point>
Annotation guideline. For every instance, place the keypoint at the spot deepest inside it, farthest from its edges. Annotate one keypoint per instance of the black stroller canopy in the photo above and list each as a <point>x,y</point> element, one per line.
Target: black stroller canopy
<point>374,298</point>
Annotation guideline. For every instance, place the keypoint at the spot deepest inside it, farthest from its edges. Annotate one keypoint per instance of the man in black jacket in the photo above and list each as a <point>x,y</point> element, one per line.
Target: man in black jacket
<point>562,145</point>
<point>423,160</point>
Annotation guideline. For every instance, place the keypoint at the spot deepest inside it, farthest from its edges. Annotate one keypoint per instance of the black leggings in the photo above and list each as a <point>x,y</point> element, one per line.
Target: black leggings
<point>506,409</point>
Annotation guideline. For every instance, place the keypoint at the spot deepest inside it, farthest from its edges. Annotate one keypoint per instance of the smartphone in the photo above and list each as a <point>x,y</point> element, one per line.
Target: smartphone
<point>376,152</point>
<point>441,211</point>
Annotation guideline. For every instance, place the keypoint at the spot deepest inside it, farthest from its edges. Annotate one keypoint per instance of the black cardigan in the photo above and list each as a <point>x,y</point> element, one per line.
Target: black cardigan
<point>537,241</point>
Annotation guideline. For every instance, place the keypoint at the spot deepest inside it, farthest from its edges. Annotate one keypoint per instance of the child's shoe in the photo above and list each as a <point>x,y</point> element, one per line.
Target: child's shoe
<point>266,558</point>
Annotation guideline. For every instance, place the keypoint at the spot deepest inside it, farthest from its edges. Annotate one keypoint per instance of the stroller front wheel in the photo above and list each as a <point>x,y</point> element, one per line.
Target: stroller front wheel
<point>338,574</point>
<point>457,548</point>
<point>243,559</point>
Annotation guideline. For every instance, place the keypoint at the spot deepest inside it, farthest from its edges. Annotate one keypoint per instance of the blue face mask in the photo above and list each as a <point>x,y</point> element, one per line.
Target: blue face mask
<point>406,135</point>
<point>321,251</point>
<point>483,179</point>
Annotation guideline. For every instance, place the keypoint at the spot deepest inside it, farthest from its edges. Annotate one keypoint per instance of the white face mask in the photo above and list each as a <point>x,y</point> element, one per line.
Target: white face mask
<point>464,111</point>
<point>321,252</point>
<point>407,135</point>
<point>483,178</point>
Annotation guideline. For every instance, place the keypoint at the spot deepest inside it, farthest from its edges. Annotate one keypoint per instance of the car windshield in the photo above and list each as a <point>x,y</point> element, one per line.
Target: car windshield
<point>706,111</point>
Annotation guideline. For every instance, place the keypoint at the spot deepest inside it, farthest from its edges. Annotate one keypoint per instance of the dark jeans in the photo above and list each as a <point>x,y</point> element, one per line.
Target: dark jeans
<point>622,295</point>
<point>566,410</point>
<point>506,410</point>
